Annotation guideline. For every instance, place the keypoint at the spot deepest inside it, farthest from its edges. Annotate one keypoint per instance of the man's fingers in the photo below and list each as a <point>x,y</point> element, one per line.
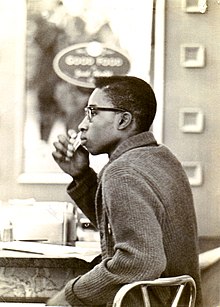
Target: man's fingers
<point>58,155</point>
<point>61,152</point>
<point>71,133</point>
<point>63,140</point>
<point>65,147</point>
<point>60,147</point>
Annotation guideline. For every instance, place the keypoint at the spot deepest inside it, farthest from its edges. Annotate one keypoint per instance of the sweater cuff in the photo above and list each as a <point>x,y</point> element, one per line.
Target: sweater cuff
<point>76,187</point>
<point>69,293</point>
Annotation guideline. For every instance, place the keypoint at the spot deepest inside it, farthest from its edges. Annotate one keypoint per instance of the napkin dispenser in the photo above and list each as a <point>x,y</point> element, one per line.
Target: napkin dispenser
<point>50,222</point>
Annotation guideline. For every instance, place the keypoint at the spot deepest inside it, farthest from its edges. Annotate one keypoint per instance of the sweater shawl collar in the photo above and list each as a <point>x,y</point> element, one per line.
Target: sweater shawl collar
<point>139,140</point>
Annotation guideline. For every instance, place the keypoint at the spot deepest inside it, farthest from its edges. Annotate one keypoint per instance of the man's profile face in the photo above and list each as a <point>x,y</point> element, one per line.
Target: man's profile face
<point>100,133</point>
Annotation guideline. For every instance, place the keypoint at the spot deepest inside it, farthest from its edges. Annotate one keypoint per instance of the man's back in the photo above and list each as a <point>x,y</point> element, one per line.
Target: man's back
<point>155,168</point>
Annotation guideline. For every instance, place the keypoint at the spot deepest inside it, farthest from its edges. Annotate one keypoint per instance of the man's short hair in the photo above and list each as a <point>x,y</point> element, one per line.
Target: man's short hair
<point>132,94</point>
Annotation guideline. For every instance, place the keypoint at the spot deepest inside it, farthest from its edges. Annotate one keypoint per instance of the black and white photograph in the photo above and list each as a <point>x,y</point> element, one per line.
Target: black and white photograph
<point>110,151</point>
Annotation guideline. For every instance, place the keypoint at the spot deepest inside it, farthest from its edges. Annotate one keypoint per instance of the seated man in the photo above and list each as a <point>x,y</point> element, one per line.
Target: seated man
<point>141,201</point>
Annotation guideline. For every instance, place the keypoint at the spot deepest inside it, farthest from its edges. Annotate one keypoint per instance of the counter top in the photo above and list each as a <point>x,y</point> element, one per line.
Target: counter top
<point>33,272</point>
<point>32,254</point>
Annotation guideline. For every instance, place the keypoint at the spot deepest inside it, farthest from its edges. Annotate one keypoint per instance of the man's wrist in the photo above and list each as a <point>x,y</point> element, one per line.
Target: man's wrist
<point>86,181</point>
<point>78,176</point>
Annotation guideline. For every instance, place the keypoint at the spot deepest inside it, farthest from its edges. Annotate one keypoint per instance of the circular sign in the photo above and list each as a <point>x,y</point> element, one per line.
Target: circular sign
<point>79,64</point>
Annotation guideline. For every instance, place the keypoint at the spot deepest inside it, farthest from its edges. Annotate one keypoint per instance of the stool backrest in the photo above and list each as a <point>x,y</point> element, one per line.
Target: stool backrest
<point>179,281</point>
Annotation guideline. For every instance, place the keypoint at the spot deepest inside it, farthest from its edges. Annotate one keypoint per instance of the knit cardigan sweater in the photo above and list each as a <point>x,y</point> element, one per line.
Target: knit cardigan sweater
<point>142,205</point>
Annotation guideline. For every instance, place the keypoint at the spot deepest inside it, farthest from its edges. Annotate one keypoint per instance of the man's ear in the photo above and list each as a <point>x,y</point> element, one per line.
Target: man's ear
<point>124,120</point>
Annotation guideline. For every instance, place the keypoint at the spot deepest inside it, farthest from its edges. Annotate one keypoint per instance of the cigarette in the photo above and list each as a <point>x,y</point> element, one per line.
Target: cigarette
<point>74,143</point>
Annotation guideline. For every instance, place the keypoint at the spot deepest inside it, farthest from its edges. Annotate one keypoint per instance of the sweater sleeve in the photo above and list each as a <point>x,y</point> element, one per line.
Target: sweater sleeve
<point>83,193</point>
<point>134,213</point>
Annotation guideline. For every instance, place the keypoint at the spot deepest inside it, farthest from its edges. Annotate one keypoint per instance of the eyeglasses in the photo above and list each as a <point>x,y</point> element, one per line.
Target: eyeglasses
<point>91,110</point>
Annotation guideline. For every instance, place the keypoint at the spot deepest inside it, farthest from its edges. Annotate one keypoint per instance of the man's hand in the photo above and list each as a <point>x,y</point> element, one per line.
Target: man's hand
<point>71,162</point>
<point>58,300</point>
